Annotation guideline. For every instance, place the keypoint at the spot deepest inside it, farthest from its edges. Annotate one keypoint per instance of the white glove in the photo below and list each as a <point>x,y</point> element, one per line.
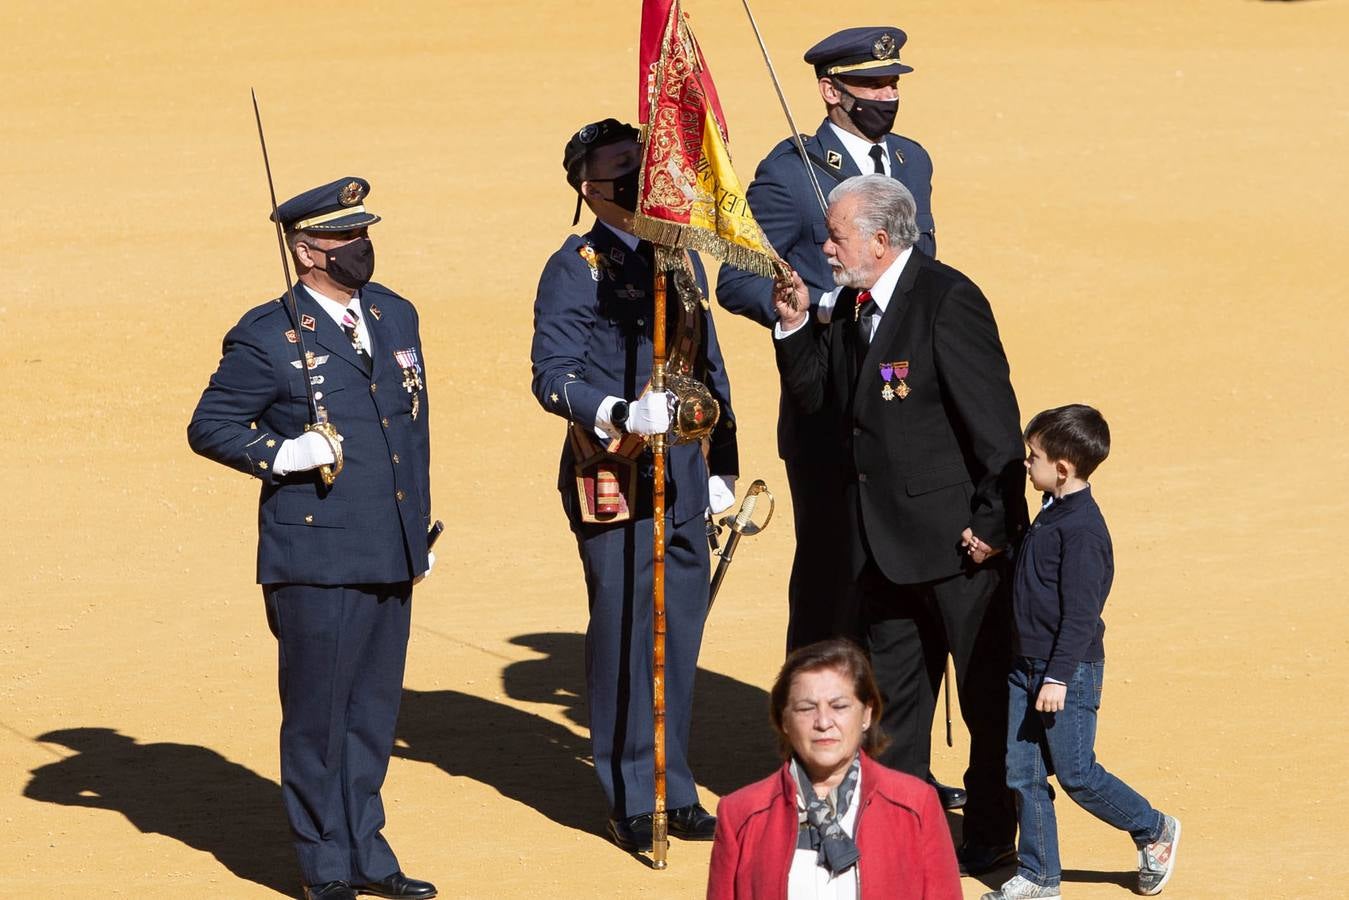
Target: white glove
<point>605,429</point>
<point>430,564</point>
<point>720,493</point>
<point>650,413</point>
<point>308,451</point>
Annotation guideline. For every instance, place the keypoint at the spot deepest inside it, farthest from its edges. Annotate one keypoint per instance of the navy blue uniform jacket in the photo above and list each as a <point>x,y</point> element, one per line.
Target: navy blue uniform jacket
<point>784,204</point>
<point>370,526</point>
<point>592,339</point>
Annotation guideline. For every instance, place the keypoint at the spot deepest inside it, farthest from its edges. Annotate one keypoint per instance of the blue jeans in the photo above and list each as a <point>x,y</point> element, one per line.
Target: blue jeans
<point>1063,744</point>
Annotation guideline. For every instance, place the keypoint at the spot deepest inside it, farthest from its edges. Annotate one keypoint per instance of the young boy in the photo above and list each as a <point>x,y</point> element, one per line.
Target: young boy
<point>1063,573</point>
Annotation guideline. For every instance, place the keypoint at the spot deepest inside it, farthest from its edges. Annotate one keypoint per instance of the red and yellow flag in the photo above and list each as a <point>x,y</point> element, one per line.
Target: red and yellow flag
<point>689,195</point>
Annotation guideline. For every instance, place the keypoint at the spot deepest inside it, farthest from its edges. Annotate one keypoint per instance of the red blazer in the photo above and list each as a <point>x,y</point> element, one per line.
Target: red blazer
<point>901,833</point>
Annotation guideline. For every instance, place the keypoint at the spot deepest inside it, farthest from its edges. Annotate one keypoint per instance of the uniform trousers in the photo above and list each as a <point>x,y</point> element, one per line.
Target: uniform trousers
<point>341,653</point>
<point>910,629</point>
<point>617,560</point>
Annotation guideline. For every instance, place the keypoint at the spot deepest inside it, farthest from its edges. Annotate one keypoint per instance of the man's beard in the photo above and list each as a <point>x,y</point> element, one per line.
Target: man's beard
<point>844,277</point>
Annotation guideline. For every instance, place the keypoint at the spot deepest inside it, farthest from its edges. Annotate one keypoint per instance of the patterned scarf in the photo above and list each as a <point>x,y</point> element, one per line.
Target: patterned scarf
<point>820,818</point>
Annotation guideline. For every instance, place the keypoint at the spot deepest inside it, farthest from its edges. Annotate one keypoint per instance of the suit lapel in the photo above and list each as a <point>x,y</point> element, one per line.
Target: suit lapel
<point>326,333</point>
<point>830,144</point>
<point>891,321</point>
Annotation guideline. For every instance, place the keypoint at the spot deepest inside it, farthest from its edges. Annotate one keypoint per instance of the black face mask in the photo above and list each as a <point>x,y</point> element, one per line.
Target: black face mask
<point>625,190</point>
<point>874,118</point>
<point>351,264</point>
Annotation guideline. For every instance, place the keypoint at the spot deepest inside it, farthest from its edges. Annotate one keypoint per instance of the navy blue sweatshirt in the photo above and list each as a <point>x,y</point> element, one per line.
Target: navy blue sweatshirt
<point>1064,568</point>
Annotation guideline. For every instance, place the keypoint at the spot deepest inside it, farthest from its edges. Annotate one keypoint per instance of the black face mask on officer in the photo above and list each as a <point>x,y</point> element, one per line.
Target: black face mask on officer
<point>874,118</point>
<point>351,264</point>
<point>625,189</point>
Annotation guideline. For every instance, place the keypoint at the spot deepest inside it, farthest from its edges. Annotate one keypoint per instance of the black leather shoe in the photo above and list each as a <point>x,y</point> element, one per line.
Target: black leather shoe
<point>633,834</point>
<point>329,890</point>
<point>979,859</point>
<point>950,797</point>
<point>398,887</point>
<point>693,823</point>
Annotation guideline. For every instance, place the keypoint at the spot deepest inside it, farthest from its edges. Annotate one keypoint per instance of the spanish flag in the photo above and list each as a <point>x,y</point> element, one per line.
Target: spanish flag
<point>689,195</point>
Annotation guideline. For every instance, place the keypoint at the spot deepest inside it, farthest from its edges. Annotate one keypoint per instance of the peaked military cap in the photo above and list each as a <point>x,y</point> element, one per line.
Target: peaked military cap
<point>338,206</point>
<point>866,52</point>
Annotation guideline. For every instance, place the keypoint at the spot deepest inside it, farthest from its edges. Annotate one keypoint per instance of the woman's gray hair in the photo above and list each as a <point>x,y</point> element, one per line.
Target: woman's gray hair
<point>886,205</point>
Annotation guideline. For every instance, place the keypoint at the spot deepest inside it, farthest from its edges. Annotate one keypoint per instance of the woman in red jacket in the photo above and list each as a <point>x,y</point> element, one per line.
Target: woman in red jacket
<point>831,824</point>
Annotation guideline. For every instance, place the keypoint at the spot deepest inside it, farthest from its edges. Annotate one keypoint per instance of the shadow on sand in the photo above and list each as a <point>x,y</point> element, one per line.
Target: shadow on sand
<point>185,792</point>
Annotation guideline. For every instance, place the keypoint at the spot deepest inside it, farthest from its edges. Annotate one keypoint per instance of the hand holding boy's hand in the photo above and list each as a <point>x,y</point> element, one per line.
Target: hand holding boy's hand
<point>1051,697</point>
<point>977,549</point>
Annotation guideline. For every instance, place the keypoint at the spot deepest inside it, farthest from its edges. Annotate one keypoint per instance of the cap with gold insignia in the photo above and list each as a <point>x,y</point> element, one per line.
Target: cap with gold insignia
<point>865,52</point>
<point>339,206</point>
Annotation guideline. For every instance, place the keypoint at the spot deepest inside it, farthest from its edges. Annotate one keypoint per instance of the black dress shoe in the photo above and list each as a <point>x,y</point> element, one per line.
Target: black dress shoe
<point>633,834</point>
<point>979,859</point>
<point>329,890</point>
<point>693,823</point>
<point>950,797</point>
<point>398,887</point>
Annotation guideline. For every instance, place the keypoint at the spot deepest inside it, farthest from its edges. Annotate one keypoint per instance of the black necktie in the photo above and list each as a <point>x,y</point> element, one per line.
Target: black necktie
<point>878,157</point>
<point>349,320</point>
<point>866,308</point>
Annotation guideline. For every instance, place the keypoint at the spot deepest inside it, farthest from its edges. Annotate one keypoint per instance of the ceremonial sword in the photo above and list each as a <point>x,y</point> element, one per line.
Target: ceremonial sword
<point>318,416</point>
<point>740,524</point>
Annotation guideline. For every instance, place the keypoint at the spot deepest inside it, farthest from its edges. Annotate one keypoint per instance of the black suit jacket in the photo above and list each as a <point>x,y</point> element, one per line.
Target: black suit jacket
<point>943,458</point>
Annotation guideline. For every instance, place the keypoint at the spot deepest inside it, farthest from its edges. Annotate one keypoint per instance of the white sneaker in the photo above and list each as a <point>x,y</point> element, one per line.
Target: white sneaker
<point>1157,860</point>
<point>1018,888</point>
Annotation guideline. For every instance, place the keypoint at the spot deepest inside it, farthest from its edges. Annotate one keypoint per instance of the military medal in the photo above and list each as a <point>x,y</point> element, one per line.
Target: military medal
<point>893,374</point>
<point>412,377</point>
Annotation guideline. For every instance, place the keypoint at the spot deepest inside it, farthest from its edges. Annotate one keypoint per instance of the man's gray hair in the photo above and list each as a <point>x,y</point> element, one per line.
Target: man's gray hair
<point>885,205</point>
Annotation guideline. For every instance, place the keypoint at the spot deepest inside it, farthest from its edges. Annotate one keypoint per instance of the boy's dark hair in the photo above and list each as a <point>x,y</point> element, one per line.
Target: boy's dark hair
<point>847,659</point>
<point>1075,433</point>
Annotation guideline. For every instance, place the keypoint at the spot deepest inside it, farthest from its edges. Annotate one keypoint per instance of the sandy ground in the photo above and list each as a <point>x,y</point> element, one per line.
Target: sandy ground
<point>1151,193</point>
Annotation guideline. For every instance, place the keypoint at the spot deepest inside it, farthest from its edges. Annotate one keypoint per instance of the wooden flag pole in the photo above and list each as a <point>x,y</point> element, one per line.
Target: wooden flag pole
<point>660,838</point>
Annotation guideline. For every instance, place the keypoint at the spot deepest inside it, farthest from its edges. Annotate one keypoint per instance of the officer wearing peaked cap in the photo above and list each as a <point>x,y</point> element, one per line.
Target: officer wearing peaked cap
<point>336,562</point>
<point>592,358</point>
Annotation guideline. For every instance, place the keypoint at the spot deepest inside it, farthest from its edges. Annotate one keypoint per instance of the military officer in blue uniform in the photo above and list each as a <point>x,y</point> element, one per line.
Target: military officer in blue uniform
<point>592,358</point>
<point>858,71</point>
<point>337,561</point>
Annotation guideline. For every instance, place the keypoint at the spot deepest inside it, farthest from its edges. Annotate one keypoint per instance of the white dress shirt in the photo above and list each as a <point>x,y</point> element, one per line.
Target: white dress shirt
<point>335,310</point>
<point>859,148</point>
<point>808,880</point>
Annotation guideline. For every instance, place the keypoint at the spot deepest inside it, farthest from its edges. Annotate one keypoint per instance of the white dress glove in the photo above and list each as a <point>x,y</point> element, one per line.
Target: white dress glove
<point>720,493</point>
<point>308,451</point>
<point>430,564</point>
<point>650,413</point>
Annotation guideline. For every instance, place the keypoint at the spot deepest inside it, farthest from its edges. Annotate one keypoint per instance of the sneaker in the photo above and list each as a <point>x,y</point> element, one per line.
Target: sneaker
<point>1157,860</point>
<point>1018,888</point>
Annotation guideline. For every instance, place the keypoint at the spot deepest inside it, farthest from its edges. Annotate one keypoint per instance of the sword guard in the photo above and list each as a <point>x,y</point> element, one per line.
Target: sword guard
<point>742,522</point>
<point>329,431</point>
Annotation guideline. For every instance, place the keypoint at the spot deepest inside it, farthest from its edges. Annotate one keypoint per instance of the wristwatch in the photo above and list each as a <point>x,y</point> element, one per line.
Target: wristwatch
<point>618,416</point>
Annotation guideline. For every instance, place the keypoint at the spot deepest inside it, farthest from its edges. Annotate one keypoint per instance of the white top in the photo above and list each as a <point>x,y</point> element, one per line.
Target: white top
<point>859,148</point>
<point>335,310</point>
<point>808,880</point>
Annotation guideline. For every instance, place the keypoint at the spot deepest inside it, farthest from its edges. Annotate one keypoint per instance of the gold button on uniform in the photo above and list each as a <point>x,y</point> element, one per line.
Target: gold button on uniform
<point>373,387</point>
<point>309,520</point>
<point>395,458</point>
<point>400,495</point>
<point>384,422</point>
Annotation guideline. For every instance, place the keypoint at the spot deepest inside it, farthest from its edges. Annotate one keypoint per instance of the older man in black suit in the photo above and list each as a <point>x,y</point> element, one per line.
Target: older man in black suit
<point>905,363</point>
